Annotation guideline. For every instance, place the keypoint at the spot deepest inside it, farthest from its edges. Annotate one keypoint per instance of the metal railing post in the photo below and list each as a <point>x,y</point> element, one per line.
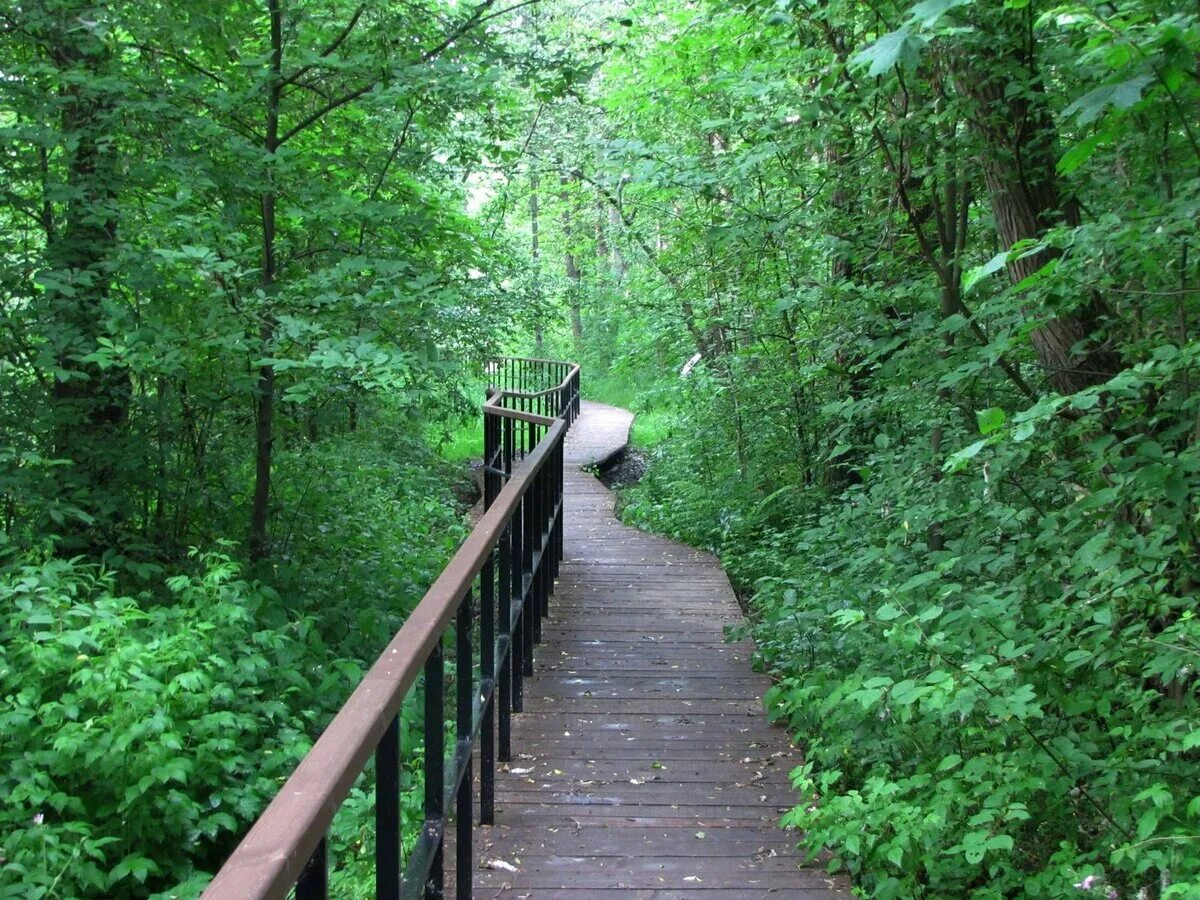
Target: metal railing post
<point>464,675</point>
<point>435,768</point>
<point>387,814</point>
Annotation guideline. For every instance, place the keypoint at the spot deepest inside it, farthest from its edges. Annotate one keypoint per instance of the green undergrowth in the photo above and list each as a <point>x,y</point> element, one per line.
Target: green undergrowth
<point>654,416</point>
<point>459,440</point>
<point>1009,714</point>
<point>148,721</point>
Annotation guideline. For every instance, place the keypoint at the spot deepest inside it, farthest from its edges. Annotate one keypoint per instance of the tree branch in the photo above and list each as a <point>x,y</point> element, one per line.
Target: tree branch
<point>328,51</point>
<point>329,107</point>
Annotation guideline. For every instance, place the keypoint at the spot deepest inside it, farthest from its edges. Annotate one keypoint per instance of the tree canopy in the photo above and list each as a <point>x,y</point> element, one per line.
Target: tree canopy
<point>905,297</point>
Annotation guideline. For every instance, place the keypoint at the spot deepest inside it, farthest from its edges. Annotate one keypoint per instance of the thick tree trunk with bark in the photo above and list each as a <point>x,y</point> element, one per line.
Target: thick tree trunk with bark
<point>1018,156</point>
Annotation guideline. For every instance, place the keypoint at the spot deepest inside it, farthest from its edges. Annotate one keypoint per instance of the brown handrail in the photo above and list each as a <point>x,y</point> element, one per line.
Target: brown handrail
<point>518,538</point>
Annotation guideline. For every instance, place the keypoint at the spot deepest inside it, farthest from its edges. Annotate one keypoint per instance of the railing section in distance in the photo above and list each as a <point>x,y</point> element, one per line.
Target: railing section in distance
<point>508,563</point>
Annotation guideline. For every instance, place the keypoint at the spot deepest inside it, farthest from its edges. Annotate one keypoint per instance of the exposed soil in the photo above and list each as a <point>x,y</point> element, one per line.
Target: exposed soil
<point>468,489</point>
<point>623,468</point>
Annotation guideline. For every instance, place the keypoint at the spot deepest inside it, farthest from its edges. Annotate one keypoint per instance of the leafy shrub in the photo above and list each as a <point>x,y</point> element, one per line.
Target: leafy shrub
<point>140,736</point>
<point>1014,713</point>
<point>145,731</point>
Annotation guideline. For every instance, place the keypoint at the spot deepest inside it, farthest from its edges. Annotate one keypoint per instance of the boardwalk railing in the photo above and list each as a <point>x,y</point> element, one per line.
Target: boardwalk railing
<point>508,562</point>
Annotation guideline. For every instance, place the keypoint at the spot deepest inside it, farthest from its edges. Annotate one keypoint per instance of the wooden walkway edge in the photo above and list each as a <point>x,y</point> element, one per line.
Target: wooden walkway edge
<point>644,765</point>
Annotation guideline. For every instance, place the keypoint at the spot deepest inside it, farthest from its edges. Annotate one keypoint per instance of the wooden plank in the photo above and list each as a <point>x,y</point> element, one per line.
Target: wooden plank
<point>644,765</point>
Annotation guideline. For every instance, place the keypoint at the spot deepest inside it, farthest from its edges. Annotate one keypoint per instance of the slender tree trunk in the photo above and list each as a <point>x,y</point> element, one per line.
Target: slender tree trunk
<point>536,253</point>
<point>602,256</point>
<point>574,276</point>
<point>264,404</point>
<point>843,471</point>
<point>617,258</point>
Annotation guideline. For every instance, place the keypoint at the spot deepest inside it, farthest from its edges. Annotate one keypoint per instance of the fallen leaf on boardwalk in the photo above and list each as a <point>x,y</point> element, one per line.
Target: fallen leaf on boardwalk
<point>692,878</point>
<point>636,781</point>
<point>519,771</point>
<point>499,864</point>
<point>701,835</point>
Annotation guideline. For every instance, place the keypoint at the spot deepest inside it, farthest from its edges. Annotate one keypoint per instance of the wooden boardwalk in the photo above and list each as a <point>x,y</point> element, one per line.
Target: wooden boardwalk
<point>643,764</point>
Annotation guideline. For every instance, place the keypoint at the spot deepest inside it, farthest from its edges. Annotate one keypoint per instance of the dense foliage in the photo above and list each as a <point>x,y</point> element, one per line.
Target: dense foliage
<point>905,296</point>
<point>241,283</point>
<point>934,269</point>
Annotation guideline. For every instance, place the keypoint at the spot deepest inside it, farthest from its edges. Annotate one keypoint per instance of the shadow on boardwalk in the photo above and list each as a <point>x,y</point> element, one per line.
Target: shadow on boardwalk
<point>643,763</point>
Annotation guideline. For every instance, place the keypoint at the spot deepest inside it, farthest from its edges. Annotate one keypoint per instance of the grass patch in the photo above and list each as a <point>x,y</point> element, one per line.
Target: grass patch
<point>458,442</point>
<point>654,418</point>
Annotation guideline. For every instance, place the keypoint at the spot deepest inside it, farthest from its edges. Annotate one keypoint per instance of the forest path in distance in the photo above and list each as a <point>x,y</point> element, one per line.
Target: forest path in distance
<point>643,763</point>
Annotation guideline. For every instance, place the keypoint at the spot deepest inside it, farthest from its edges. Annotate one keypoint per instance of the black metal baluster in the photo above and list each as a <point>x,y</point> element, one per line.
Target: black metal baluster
<point>464,673</point>
<point>539,577</point>
<point>487,685</point>
<point>508,448</point>
<point>435,766</point>
<point>560,521</point>
<point>515,587</point>
<point>546,527</point>
<point>529,608</point>
<point>387,814</point>
<point>313,883</point>
<point>504,678</point>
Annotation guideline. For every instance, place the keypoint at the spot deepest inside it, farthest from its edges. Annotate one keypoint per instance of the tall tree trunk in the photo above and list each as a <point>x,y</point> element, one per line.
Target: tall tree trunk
<point>574,276</point>
<point>843,472</point>
<point>90,402</point>
<point>1018,159</point>
<point>264,403</point>
<point>617,258</point>
<point>536,253</point>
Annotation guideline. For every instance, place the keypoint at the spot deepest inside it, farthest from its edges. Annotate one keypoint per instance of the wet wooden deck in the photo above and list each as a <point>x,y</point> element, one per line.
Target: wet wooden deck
<point>644,765</point>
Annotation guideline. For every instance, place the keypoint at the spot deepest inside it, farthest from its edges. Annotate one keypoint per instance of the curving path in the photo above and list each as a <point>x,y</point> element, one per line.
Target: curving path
<point>643,765</point>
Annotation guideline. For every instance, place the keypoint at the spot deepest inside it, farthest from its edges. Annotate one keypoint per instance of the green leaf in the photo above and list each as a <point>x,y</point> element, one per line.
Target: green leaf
<point>974,275</point>
<point>949,762</point>
<point>990,419</point>
<point>1080,153</point>
<point>1121,95</point>
<point>928,12</point>
<point>897,48</point>
<point>1176,488</point>
<point>957,459</point>
<point>888,612</point>
<point>1000,842</point>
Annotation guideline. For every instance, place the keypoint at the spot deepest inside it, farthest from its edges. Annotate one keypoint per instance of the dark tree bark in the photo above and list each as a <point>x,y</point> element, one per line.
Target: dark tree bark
<point>264,401</point>
<point>1018,157</point>
<point>90,402</point>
